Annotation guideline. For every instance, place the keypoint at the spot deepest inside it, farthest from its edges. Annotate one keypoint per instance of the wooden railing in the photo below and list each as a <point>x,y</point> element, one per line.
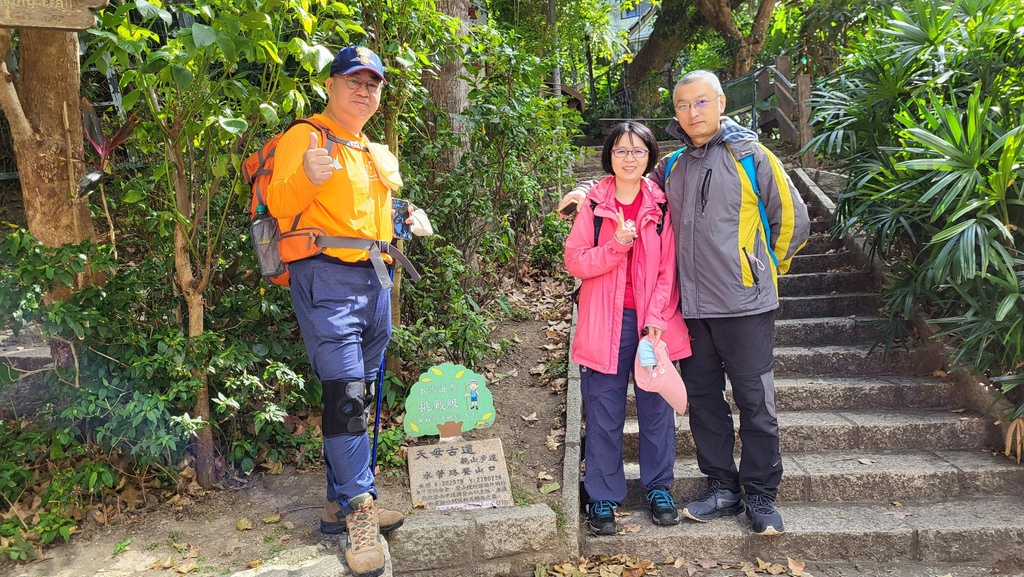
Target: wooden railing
<point>790,114</point>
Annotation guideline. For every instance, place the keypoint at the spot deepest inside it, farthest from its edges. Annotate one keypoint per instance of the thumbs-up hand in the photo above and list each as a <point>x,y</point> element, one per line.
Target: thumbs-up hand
<point>316,162</point>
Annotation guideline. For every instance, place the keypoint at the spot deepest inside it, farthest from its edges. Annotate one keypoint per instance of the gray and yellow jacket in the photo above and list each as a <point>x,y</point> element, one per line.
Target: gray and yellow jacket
<point>724,266</point>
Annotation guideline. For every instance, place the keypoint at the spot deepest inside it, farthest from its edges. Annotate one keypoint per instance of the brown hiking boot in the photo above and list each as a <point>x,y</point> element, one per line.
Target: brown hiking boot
<point>364,552</point>
<point>332,522</point>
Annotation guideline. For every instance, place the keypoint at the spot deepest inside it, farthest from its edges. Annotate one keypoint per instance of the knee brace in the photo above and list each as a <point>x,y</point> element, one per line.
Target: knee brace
<point>345,408</point>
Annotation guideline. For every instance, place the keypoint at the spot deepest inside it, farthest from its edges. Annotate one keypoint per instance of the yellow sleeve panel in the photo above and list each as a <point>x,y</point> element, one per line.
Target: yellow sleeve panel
<point>783,244</point>
<point>352,203</point>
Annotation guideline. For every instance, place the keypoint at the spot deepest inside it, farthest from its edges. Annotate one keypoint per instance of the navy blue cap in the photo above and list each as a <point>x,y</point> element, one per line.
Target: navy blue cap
<point>355,58</point>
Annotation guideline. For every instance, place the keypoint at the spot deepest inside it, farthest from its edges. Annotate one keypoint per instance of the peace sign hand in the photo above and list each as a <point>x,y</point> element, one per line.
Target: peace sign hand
<point>625,233</point>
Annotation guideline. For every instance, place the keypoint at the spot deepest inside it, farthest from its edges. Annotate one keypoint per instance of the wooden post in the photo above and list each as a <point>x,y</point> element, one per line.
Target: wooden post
<point>803,117</point>
<point>782,65</point>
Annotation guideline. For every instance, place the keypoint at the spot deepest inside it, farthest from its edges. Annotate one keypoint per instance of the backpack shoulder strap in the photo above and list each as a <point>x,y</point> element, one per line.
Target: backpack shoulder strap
<point>751,172</point>
<point>661,221</point>
<point>597,222</point>
<point>672,158</point>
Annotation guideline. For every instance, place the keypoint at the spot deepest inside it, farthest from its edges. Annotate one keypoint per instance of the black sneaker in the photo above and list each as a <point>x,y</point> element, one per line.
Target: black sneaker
<point>663,508</point>
<point>601,518</point>
<point>763,514</point>
<point>713,503</point>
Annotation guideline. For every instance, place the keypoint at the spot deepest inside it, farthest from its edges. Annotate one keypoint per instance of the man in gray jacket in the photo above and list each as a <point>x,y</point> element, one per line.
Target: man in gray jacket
<point>728,265</point>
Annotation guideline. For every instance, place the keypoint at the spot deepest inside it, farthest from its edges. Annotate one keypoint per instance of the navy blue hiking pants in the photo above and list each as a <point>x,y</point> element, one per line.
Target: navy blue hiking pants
<point>345,319</point>
<point>604,402</point>
<point>740,347</point>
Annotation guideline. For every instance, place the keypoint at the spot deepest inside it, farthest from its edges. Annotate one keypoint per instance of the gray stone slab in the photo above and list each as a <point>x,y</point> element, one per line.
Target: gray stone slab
<point>848,360</point>
<point>418,543</point>
<point>817,331</point>
<point>828,392</point>
<point>797,307</point>
<point>690,482</point>
<point>869,475</point>
<point>724,538</point>
<point>918,429</point>
<point>821,243</point>
<point>983,473</point>
<point>804,263</point>
<point>512,530</point>
<point>968,530</point>
<point>816,283</point>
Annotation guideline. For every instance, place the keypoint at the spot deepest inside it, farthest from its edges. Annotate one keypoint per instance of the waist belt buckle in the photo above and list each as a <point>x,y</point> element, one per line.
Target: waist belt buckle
<point>382,246</point>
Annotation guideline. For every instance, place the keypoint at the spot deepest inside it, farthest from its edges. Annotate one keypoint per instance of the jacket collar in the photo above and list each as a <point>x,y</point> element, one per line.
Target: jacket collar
<point>603,193</point>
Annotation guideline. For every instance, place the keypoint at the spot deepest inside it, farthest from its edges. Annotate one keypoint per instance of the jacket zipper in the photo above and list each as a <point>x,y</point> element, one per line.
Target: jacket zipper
<point>704,192</point>
<point>753,273</point>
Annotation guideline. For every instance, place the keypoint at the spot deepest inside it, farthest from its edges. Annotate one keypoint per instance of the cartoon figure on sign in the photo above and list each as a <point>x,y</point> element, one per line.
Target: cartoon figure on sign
<point>448,400</point>
<point>473,396</point>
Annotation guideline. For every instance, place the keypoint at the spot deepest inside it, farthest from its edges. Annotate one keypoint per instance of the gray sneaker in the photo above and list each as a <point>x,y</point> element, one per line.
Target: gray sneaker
<point>763,515</point>
<point>713,503</point>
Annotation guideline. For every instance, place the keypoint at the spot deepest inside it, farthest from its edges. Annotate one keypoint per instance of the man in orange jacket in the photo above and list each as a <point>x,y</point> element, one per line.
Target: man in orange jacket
<point>328,180</point>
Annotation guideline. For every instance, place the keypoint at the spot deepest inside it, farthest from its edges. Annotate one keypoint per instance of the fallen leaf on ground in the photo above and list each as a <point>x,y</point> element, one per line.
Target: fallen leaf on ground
<point>544,476</point>
<point>165,564</point>
<point>631,528</point>
<point>284,538</point>
<point>254,563</point>
<point>243,524</point>
<point>549,487</point>
<point>272,519</point>
<point>273,467</point>
<point>939,373</point>
<point>531,417</point>
<point>895,503</point>
<point>538,369</point>
<point>796,567</point>
<point>419,505</point>
<point>193,552</point>
<point>958,410</point>
<point>865,461</point>
<point>186,568</point>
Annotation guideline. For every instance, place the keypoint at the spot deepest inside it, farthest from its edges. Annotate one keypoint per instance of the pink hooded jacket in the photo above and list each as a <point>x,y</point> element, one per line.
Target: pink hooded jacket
<point>603,271</point>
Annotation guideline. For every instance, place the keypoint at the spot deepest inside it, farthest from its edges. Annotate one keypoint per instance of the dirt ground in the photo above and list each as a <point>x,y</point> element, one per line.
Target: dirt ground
<point>527,379</point>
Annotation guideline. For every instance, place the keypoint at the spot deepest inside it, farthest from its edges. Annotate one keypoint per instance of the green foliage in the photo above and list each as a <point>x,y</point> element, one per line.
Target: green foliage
<point>488,211</point>
<point>927,113</point>
<point>388,444</point>
<point>814,33</point>
<point>549,252</point>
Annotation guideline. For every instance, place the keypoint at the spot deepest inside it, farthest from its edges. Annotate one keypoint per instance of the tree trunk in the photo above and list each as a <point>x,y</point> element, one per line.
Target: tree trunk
<point>449,92</point>
<point>746,47</point>
<point>49,92</point>
<point>677,23</point>
<point>681,19</point>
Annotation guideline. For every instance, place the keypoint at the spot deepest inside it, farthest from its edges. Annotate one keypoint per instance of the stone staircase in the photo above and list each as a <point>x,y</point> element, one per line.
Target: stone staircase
<point>881,462</point>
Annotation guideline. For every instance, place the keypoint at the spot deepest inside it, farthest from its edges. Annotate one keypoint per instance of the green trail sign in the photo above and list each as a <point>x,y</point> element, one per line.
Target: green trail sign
<point>448,400</point>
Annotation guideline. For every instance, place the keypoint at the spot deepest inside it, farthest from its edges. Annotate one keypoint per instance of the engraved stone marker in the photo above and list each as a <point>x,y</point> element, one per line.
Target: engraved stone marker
<point>467,475</point>
<point>56,14</point>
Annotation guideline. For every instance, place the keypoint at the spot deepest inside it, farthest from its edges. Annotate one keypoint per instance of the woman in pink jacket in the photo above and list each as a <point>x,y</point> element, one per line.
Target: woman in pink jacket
<point>629,292</point>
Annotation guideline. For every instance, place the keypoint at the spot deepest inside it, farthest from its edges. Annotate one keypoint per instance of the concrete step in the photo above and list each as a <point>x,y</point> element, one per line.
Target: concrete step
<point>838,305</point>
<point>844,476</point>
<point>819,226</point>
<point>851,360</point>
<point>848,430</point>
<point>804,263</point>
<point>831,393</point>
<point>956,530</point>
<point>821,243</point>
<point>827,331</point>
<point>818,283</point>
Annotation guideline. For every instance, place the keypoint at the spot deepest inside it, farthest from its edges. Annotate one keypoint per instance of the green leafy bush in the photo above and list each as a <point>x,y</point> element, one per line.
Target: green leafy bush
<point>928,114</point>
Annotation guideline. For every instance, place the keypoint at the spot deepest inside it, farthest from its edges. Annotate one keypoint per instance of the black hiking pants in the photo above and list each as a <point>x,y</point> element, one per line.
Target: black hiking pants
<point>740,347</point>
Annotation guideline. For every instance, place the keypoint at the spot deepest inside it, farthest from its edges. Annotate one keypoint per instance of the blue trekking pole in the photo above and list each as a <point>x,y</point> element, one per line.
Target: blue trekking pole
<point>380,397</point>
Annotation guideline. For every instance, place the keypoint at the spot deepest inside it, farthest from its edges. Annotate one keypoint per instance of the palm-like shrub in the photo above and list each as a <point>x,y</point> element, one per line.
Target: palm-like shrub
<point>926,112</point>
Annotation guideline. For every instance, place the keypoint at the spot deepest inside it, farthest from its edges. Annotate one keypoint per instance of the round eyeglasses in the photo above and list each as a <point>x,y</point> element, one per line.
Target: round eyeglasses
<point>699,105</point>
<point>354,84</point>
<point>636,153</point>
